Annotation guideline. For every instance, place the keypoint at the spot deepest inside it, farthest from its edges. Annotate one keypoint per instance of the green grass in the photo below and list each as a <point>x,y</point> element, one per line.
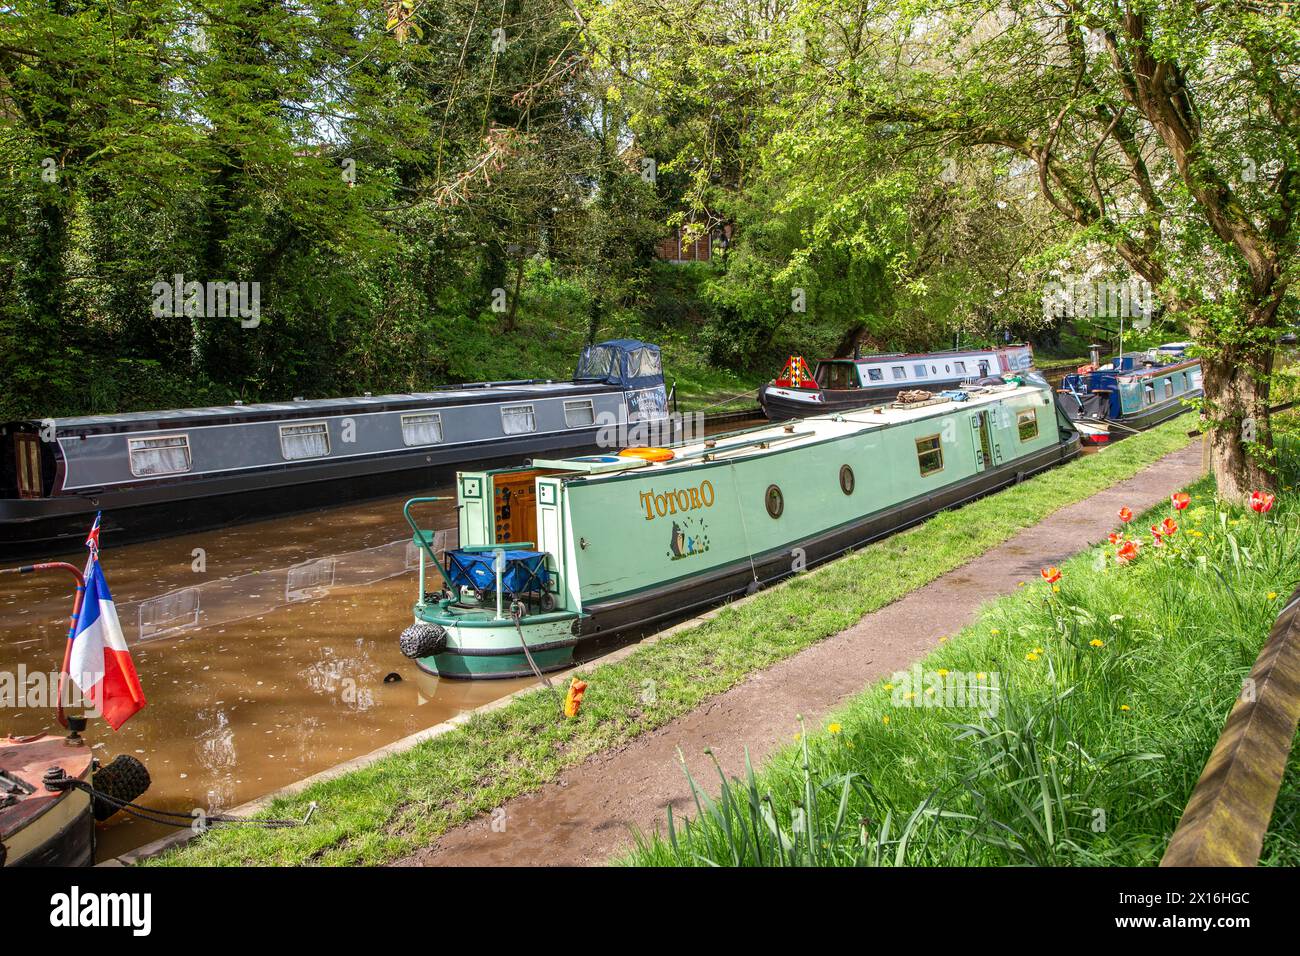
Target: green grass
<point>406,801</point>
<point>1111,692</point>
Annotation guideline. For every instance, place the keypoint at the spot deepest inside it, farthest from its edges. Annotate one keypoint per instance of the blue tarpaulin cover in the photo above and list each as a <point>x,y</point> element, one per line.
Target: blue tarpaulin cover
<point>525,570</point>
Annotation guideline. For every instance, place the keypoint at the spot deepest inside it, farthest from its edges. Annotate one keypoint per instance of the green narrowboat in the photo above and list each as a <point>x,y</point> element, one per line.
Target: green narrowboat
<point>561,551</point>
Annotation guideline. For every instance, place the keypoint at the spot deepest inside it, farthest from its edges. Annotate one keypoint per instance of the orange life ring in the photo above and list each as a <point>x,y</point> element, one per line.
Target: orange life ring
<point>649,454</point>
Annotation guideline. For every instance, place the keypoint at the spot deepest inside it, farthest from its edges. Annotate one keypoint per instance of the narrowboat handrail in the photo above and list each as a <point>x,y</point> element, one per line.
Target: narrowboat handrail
<point>499,546</point>
<point>1228,814</point>
<point>426,545</point>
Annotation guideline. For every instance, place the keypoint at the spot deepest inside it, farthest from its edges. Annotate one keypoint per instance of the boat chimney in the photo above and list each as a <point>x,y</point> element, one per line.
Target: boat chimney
<point>1094,354</point>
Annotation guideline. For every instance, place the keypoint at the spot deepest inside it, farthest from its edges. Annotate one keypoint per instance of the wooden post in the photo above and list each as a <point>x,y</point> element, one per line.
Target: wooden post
<point>1228,814</point>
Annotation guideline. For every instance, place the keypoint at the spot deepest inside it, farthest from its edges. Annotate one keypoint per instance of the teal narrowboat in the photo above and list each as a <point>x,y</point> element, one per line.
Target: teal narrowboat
<point>618,541</point>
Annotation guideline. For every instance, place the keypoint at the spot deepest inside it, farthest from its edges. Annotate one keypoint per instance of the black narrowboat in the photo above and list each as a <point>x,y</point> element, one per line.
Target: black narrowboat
<point>170,472</point>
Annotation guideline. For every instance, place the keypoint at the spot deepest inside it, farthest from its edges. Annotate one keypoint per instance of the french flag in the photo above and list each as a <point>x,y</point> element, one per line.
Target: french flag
<point>99,662</point>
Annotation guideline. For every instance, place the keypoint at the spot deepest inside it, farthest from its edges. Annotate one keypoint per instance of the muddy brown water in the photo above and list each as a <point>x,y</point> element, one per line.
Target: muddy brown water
<point>262,649</point>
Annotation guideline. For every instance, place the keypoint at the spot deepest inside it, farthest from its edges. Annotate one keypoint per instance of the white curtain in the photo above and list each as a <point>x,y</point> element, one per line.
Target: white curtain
<point>160,456</point>
<point>422,429</point>
<point>518,419</point>
<point>304,441</point>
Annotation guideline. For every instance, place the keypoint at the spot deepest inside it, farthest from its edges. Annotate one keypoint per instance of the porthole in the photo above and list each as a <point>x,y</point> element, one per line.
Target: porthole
<point>846,479</point>
<point>775,503</point>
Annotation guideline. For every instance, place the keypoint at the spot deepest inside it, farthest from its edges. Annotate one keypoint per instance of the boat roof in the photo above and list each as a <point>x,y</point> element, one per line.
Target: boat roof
<point>801,431</point>
<point>309,408</point>
<point>948,353</point>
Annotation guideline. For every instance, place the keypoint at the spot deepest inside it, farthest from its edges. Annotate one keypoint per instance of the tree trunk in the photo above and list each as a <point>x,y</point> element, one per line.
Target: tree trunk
<point>1237,400</point>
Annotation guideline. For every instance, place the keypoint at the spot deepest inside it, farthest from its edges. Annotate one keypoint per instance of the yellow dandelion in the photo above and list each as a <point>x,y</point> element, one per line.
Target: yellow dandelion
<point>884,719</point>
<point>889,687</point>
<point>1031,656</point>
<point>1056,589</point>
<point>943,672</point>
<point>1097,642</point>
<point>1123,707</point>
<point>995,631</point>
<point>1038,650</point>
<point>834,728</point>
<point>980,676</point>
<point>909,695</point>
<point>1272,595</point>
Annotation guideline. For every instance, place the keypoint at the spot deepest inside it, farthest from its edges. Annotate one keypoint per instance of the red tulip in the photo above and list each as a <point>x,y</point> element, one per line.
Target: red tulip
<point>1261,501</point>
<point>1125,515</point>
<point>1180,499</point>
<point>1051,574</point>
<point>1127,552</point>
<point>1167,528</point>
<point>1115,537</point>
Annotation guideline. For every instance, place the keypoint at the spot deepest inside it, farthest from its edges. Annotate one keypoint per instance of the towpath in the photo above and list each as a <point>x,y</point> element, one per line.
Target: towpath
<point>586,815</point>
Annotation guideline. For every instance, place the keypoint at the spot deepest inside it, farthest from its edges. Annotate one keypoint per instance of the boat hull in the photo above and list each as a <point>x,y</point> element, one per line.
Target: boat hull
<point>672,598</point>
<point>484,648</point>
<point>40,827</point>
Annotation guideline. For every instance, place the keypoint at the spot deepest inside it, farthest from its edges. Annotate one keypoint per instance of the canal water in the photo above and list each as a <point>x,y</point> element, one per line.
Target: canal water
<point>267,652</point>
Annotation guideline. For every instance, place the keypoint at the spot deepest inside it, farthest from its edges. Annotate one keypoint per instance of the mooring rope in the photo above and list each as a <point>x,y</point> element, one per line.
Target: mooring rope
<point>516,611</point>
<point>184,821</point>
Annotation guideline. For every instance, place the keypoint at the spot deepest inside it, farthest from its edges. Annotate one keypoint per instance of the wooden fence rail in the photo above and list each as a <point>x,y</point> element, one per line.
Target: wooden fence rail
<point>1228,814</point>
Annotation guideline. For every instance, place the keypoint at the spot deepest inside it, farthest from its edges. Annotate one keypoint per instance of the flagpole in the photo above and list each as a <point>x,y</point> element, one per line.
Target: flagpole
<point>92,545</point>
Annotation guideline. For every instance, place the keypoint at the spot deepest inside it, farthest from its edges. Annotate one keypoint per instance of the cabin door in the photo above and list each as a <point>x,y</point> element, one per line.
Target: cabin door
<point>27,458</point>
<point>987,451</point>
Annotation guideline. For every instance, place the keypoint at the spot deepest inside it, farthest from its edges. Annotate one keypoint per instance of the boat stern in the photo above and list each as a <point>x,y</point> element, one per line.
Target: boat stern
<point>468,642</point>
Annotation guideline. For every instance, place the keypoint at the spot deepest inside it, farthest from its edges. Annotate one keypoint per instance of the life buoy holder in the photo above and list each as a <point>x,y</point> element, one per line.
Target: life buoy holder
<point>649,454</point>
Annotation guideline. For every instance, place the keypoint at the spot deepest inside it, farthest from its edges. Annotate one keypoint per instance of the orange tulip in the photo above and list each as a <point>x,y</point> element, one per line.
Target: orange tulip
<point>1180,499</point>
<point>573,699</point>
<point>1127,552</point>
<point>1051,574</point>
<point>1115,537</point>
<point>1125,515</point>
<point>1261,501</point>
<point>1168,527</point>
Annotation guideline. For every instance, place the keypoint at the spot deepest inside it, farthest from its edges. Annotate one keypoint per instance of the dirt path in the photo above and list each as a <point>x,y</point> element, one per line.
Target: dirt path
<point>586,815</point>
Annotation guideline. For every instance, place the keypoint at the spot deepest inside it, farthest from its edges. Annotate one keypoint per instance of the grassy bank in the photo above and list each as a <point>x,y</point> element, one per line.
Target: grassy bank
<point>405,801</point>
<point>1067,726</point>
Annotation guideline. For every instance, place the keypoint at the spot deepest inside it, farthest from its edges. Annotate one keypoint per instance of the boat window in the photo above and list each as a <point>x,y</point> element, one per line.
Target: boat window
<point>644,362</point>
<point>596,362</point>
<point>847,481</point>
<point>947,369</point>
<point>876,374</point>
<point>304,441</point>
<point>425,429</point>
<point>1027,424</point>
<point>841,375</point>
<point>518,419</point>
<point>159,456</point>
<point>774,500</point>
<point>1169,388</point>
<point>899,372</point>
<point>919,370</point>
<point>929,455</point>
<point>1149,393</point>
<point>579,413</point>
<point>1186,382</point>
<point>961,367</point>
